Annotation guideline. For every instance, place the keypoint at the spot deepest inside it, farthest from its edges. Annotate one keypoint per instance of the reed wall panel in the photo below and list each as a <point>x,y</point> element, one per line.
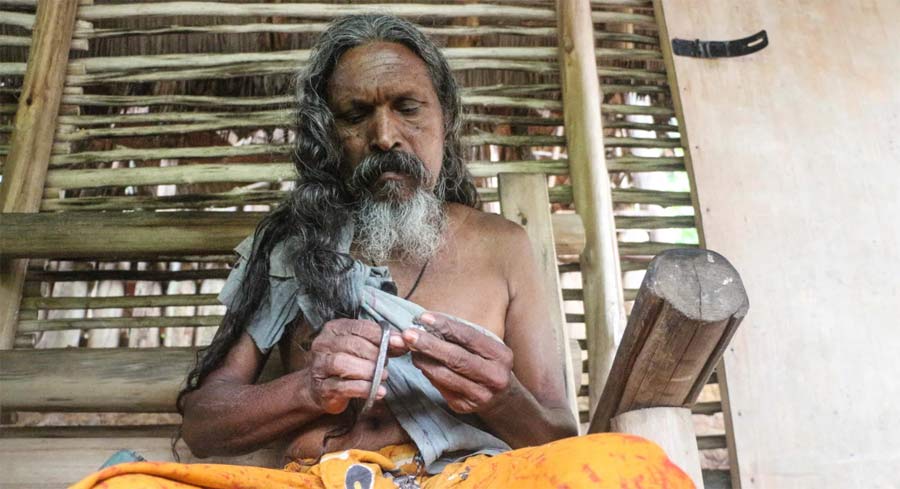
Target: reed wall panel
<point>171,108</point>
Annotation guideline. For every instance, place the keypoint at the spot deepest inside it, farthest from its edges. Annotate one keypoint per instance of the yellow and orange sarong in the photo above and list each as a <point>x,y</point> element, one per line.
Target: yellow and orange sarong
<point>607,460</point>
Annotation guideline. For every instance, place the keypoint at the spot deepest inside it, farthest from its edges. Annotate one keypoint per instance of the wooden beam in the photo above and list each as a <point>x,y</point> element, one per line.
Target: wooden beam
<point>133,234</point>
<point>32,140</point>
<point>524,200</point>
<point>156,234</point>
<point>604,304</point>
<point>44,463</point>
<point>687,309</point>
<point>98,380</point>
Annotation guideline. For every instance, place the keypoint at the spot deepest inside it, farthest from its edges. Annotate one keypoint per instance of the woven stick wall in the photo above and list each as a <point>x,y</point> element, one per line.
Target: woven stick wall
<point>167,107</point>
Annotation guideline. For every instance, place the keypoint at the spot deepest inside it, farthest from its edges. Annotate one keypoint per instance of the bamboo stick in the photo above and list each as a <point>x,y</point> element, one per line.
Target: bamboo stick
<point>22,41</point>
<point>654,222</point>
<point>249,172</point>
<point>27,21</point>
<point>299,56</point>
<point>278,172</point>
<point>603,305</point>
<point>147,275</point>
<point>286,68</point>
<point>468,98</point>
<point>30,303</point>
<point>644,164</point>
<point>32,141</point>
<point>320,11</point>
<point>189,100</point>
<point>235,172</point>
<point>169,153</point>
<point>12,69</point>
<point>317,27</point>
<point>18,19</point>
<point>558,194</point>
<point>237,70</point>
<point>34,325</point>
<point>638,110</point>
<point>61,160</point>
<point>281,118</point>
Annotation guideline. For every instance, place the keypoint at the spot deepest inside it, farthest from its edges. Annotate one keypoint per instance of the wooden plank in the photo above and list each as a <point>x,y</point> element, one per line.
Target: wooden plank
<point>107,380</point>
<point>45,463</point>
<point>106,302</point>
<point>688,307</point>
<point>604,304</point>
<point>124,234</point>
<point>524,200</point>
<point>148,234</point>
<point>824,144</point>
<point>94,323</point>
<point>32,140</point>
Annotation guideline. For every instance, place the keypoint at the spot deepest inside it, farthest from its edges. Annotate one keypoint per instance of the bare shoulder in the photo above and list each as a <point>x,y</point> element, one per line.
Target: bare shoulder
<point>504,241</point>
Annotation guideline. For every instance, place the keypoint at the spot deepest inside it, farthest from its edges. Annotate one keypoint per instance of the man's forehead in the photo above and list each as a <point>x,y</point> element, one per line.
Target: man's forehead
<point>392,69</point>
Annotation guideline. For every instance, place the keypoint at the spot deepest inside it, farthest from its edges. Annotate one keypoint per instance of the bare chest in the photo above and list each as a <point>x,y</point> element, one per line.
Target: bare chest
<point>475,293</point>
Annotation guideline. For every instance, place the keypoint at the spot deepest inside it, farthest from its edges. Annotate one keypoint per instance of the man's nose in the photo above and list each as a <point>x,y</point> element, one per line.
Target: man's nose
<point>384,133</point>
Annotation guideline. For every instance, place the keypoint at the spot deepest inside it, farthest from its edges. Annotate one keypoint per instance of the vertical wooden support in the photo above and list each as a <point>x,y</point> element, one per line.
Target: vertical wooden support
<point>665,45</point>
<point>600,271</point>
<point>524,199</point>
<point>670,428</point>
<point>32,140</point>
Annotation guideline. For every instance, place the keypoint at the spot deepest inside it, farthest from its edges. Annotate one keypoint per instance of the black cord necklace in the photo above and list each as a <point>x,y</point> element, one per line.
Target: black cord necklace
<point>391,287</point>
<point>418,279</point>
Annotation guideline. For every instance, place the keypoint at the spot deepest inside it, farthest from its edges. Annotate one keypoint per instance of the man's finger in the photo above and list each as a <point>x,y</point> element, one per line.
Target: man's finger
<point>347,366</point>
<point>456,358</point>
<point>397,346</point>
<point>354,345</point>
<point>444,379</point>
<point>356,327</point>
<point>466,336</point>
<point>335,388</point>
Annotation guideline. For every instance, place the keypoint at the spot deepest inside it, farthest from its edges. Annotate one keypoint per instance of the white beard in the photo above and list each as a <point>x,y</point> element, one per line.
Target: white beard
<point>409,229</point>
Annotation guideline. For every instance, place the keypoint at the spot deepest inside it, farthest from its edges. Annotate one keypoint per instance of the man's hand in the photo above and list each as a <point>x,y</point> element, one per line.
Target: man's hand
<point>470,369</point>
<point>342,362</point>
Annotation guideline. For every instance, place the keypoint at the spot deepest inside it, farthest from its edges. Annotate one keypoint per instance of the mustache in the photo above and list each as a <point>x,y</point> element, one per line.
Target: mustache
<point>375,164</point>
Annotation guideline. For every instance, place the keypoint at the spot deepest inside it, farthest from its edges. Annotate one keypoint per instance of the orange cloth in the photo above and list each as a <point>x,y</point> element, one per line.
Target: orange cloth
<point>606,461</point>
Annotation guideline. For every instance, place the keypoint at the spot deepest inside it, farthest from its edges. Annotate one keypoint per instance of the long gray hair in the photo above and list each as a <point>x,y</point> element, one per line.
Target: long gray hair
<point>311,219</point>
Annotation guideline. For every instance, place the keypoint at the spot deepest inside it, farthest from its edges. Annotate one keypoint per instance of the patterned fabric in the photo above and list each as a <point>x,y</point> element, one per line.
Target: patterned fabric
<point>603,461</point>
<point>441,435</point>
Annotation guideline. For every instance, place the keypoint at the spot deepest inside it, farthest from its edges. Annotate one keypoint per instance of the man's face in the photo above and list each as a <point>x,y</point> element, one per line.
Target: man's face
<point>383,100</point>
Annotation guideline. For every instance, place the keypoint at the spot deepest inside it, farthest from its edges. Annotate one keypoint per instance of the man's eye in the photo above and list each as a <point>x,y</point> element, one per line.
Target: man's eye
<point>408,108</point>
<point>353,117</point>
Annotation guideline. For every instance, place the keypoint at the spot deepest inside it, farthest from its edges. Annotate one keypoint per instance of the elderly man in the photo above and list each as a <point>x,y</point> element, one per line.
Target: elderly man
<point>380,255</point>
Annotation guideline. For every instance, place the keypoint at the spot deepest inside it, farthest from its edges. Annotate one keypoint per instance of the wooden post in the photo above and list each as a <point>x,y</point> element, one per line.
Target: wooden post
<point>32,140</point>
<point>670,428</point>
<point>524,199</point>
<point>600,272</point>
<point>687,310</point>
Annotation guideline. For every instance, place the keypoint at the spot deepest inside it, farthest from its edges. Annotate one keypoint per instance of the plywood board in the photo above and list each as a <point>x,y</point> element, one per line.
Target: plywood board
<point>796,161</point>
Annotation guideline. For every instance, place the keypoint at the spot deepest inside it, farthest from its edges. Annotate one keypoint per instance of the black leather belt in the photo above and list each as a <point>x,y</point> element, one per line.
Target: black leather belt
<point>720,49</point>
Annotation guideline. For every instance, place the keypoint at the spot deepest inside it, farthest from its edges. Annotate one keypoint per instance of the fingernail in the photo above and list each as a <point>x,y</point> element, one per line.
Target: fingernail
<point>396,340</point>
<point>381,391</point>
<point>427,318</point>
<point>411,336</point>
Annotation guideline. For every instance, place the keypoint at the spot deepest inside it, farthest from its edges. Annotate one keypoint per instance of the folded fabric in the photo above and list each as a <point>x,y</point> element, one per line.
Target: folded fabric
<point>604,461</point>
